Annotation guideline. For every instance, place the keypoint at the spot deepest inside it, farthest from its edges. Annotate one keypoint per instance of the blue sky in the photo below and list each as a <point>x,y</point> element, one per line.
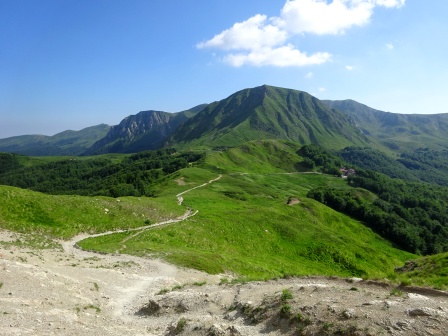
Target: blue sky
<point>70,64</point>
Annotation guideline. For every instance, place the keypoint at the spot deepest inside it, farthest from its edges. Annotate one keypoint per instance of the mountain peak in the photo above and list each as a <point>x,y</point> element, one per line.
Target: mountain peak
<point>268,112</point>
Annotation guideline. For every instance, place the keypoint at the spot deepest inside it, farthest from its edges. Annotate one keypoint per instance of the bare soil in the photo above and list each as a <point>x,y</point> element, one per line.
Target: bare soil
<point>72,292</point>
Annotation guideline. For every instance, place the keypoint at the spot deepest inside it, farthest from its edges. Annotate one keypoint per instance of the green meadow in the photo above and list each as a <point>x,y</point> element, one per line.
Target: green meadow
<point>255,222</point>
<point>59,216</point>
<point>245,228</point>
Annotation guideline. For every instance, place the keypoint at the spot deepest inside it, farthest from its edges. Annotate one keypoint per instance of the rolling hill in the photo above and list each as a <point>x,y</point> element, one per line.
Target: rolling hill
<point>64,143</point>
<point>399,132</point>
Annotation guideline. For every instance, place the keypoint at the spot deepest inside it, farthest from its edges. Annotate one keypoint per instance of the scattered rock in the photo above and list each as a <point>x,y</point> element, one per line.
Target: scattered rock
<point>292,201</point>
<point>354,279</point>
<point>216,330</point>
<point>403,325</point>
<point>149,309</point>
<point>424,311</point>
<point>349,313</point>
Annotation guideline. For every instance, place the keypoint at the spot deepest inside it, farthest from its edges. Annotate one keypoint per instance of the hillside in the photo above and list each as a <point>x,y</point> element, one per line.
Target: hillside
<point>247,206</point>
<point>64,143</point>
<point>399,132</point>
<point>268,112</point>
<point>109,175</point>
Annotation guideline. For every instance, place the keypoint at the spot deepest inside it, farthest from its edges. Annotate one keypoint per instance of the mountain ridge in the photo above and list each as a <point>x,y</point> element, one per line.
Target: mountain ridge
<point>64,143</point>
<point>259,113</point>
<point>396,131</point>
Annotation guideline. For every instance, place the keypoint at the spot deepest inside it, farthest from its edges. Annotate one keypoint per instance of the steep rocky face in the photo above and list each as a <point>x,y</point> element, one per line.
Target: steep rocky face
<point>144,131</point>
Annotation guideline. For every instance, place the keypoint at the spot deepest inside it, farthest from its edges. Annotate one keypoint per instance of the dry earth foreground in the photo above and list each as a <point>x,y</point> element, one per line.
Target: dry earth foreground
<point>73,292</point>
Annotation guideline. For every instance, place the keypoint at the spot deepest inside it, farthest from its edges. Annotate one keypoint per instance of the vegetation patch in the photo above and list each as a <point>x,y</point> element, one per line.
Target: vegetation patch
<point>427,271</point>
<point>261,238</point>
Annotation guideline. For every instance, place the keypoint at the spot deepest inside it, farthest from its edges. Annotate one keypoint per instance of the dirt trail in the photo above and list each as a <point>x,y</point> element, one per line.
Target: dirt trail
<point>70,246</point>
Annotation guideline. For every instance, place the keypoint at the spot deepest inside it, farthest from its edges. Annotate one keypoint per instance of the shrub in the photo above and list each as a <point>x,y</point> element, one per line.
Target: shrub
<point>285,310</point>
<point>180,325</point>
<point>286,295</point>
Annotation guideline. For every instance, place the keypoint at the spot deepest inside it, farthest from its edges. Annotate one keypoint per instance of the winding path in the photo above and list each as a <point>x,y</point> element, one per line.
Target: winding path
<point>70,246</point>
<point>160,273</point>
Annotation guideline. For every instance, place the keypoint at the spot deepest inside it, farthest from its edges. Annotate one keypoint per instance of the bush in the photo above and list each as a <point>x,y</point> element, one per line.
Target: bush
<point>285,310</point>
<point>286,295</point>
<point>180,325</point>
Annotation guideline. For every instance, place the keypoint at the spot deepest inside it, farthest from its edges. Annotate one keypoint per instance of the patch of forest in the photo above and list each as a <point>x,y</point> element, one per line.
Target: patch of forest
<point>136,175</point>
<point>412,215</point>
<point>422,164</point>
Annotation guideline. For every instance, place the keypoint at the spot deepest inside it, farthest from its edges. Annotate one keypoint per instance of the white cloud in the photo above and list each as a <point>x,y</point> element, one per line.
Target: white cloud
<point>322,89</point>
<point>389,46</point>
<point>309,75</point>
<point>320,17</point>
<point>349,67</point>
<point>251,34</point>
<point>262,41</point>
<point>281,57</point>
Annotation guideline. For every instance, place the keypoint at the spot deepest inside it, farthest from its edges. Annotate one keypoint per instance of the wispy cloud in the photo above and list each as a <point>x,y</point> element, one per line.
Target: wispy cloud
<point>389,46</point>
<point>262,41</point>
<point>309,75</point>
<point>349,67</point>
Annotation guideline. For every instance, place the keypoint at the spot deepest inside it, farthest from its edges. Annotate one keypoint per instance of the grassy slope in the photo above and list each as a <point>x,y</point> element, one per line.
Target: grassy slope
<point>254,156</point>
<point>401,132</point>
<point>244,225</point>
<point>65,216</point>
<point>426,271</point>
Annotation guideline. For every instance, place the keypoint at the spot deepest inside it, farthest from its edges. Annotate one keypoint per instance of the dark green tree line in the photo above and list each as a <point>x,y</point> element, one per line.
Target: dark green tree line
<point>135,175</point>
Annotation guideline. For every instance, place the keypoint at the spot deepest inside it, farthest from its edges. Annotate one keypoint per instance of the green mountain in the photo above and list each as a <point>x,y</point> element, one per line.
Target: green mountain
<point>64,143</point>
<point>396,131</point>
<point>144,131</point>
<point>259,113</point>
<point>268,112</point>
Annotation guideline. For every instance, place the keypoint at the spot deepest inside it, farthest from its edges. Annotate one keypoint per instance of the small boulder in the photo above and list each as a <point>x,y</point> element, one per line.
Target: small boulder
<point>424,311</point>
<point>349,313</point>
<point>149,309</point>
